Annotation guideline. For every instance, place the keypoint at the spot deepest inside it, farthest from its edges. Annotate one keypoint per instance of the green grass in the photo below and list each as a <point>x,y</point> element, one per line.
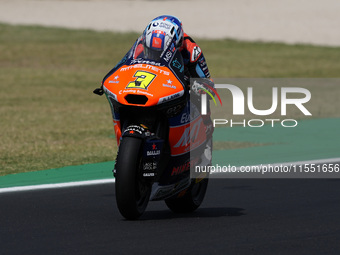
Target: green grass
<point>49,116</point>
<point>229,58</point>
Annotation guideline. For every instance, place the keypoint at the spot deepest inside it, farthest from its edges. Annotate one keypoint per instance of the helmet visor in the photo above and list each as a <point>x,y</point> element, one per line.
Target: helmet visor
<point>152,54</point>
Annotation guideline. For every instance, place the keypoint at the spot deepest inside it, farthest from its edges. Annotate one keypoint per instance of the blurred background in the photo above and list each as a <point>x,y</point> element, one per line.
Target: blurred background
<point>291,21</point>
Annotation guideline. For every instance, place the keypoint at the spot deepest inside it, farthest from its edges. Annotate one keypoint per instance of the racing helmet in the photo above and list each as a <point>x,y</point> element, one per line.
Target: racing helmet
<point>159,34</point>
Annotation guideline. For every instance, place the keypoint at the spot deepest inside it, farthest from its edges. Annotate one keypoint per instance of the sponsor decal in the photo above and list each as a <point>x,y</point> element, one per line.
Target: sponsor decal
<point>110,94</point>
<point>143,61</point>
<point>152,148</point>
<point>196,52</point>
<point>162,24</point>
<point>156,42</point>
<point>171,97</point>
<point>174,110</point>
<point>176,64</point>
<point>134,129</point>
<point>135,91</point>
<point>168,56</point>
<point>150,166</point>
<point>185,118</point>
<point>190,134</point>
<point>115,79</point>
<point>183,168</point>
<point>144,66</point>
<point>154,151</point>
<point>148,174</point>
<point>169,84</point>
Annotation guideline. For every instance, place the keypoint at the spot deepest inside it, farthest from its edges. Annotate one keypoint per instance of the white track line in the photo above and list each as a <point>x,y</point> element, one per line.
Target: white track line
<point>103,181</point>
<point>56,185</point>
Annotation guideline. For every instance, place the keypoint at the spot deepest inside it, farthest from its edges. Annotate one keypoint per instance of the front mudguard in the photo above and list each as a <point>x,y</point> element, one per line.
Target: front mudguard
<point>153,154</point>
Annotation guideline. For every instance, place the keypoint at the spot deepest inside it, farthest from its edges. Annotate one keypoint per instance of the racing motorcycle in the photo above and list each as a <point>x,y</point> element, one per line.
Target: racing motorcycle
<point>160,134</point>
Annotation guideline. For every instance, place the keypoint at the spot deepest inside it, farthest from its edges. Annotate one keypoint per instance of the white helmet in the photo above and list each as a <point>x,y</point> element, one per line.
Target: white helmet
<point>160,33</point>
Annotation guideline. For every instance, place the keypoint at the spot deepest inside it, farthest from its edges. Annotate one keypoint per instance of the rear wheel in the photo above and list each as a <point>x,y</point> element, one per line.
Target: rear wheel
<point>192,198</point>
<point>194,195</point>
<point>132,192</point>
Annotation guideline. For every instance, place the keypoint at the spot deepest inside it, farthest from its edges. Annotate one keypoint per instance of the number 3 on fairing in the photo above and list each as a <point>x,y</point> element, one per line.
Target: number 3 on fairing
<point>143,80</point>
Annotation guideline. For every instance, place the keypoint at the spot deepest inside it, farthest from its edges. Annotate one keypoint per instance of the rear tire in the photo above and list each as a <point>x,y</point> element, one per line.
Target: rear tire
<point>191,200</point>
<point>195,194</point>
<point>132,192</point>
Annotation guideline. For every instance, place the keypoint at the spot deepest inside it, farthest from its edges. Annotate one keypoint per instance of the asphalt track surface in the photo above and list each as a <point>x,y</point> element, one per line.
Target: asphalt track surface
<point>238,216</point>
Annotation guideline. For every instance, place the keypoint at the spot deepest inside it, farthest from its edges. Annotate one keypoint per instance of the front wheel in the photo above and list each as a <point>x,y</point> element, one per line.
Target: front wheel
<point>132,192</point>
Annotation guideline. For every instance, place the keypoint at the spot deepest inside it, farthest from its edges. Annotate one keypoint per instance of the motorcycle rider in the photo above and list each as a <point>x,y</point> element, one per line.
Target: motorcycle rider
<point>157,36</point>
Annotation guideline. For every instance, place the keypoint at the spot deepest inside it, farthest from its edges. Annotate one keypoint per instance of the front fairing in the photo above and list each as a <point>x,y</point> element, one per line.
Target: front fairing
<point>143,85</point>
<point>143,82</point>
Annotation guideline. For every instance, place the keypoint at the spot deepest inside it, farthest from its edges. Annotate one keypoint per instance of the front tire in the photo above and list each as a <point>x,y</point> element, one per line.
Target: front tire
<point>132,192</point>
